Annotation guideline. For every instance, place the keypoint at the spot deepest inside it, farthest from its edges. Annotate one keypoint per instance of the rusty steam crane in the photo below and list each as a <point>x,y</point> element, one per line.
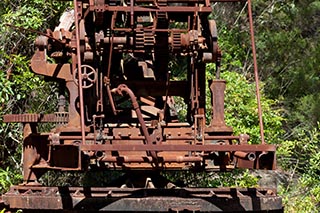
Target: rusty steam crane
<point>116,112</point>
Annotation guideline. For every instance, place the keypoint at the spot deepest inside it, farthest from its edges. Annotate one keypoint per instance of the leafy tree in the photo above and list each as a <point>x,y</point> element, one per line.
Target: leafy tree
<point>241,109</point>
<point>288,35</point>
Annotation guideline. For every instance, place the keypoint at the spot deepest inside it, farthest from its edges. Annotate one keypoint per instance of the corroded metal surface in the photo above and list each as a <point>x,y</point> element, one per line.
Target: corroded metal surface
<point>141,199</point>
<point>61,117</point>
<point>120,93</point>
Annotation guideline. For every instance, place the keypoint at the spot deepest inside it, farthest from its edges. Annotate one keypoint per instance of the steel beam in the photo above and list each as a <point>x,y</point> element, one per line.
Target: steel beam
<point>141,199</point>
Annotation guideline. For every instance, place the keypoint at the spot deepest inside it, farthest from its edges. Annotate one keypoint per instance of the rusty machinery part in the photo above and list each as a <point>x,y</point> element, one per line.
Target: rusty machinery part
<point>89,76</point>
<point>112,60</point>
<point>148,199</point>
<point>124,50</point>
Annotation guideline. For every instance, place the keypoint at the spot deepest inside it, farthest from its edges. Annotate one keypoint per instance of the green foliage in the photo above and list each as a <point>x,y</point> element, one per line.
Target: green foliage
<point>236,178</point>
<point>301,157</point>
<point>5,89</point>
<point>302,195</point>
<point>289,52</point>
<point>5,181</point>
<point>8,178</point>
<point>92,178</point>
<point>302,152</point>
<point>241,109</point>
<point>20,90</point>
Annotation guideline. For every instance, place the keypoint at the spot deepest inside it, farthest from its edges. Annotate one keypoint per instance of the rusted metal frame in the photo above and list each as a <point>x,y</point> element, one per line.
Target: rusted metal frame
<point>32,118</point>
<point>131,13</point>
<point>200,117</point>
<point>193,84</point>
<point>167,77</point>
<point>175,9</point>
<point>126,40</point>
<point>147,159</point>
<point>167,138</point>
<point>166,95</point>
<point>172,147</point>
<point>256,75</point>
<point>78,5</point>
<point>152,200</point>
<point>116,191</point>
<point>30,154</point>
<point>155,30</point>
<point>46,166</point>
<point>200,82</point>
<point>107,80</point>
<point>113,19</point>
<point>123,39</point>
<point>99,94</point>
<point>193,70</point>
<point>39,65</point>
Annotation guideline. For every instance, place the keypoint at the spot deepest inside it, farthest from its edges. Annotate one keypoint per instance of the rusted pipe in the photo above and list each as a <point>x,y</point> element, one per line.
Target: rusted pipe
<point>245,155</point>
<point>113,107</point>
<point>148,159</point>
<point>123,88</point>
<point>118,40</point>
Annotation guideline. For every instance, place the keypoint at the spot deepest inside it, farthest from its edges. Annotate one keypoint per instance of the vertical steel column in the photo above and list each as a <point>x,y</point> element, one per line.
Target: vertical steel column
<point>79,71</point>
